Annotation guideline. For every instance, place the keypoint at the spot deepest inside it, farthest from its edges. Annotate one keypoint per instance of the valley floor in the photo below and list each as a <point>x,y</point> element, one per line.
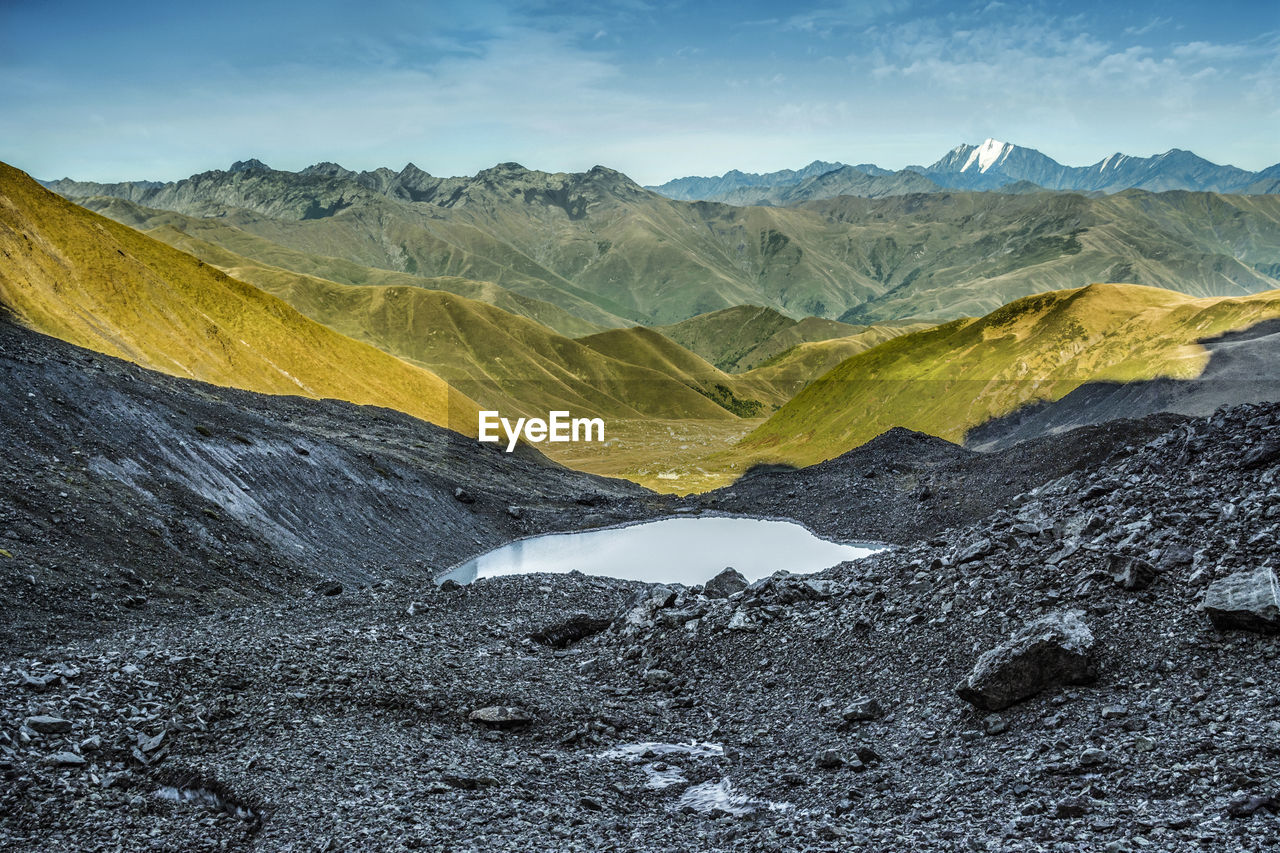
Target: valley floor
<point>348,721</point>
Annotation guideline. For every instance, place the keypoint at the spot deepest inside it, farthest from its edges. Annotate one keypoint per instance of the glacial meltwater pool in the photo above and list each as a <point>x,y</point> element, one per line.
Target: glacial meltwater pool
<point>689,551</point>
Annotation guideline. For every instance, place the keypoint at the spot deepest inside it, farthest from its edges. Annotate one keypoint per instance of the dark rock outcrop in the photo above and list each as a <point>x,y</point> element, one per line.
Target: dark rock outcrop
<point>1054,649</point>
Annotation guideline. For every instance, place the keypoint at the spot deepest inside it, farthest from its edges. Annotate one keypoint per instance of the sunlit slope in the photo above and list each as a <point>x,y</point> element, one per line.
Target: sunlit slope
<point>965,254</point>
<point>950,378</point>
<point>503,361</point>
<point>746,396</point>
<point>793,369</point>
<point>217,242</point>
<point>78,276</point>
<point>740,338</point>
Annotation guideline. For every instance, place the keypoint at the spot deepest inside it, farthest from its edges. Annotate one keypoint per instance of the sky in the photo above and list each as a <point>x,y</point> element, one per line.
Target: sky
<point>162,90</point>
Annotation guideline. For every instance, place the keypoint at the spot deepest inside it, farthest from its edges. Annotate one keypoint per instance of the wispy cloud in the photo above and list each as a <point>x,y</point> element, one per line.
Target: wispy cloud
<point>654,88</point>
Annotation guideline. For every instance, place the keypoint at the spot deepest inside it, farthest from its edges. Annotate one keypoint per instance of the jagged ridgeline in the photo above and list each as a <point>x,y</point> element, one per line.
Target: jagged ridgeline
<point>609,253</point>
<point>86,279</point>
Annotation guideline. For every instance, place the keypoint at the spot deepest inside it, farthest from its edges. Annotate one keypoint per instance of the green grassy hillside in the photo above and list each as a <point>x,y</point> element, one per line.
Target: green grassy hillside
<point>950,378</point>
<point>81,277</point>
<point>740,338</point>
<point>216,242</point>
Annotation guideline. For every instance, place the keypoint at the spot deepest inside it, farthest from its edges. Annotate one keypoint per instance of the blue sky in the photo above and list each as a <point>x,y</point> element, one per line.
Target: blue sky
<point>655,89</point>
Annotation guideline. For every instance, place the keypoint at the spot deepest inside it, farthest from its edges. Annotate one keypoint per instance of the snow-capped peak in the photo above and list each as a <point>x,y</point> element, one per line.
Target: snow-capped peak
<point>1113,161</point>
<point>987,155</point>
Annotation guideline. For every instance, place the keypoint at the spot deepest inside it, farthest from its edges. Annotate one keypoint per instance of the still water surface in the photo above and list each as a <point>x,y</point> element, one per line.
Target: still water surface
<point>675,550</point>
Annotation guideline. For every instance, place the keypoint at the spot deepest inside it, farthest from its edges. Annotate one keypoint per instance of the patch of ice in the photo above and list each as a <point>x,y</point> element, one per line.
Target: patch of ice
<point>207,798</point>
<point>636,752</point>
<point>660,775</point>
<point>720,797</point>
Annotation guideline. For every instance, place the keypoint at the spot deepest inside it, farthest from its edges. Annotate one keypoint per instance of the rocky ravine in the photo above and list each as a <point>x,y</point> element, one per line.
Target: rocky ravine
<point>1103,710</point>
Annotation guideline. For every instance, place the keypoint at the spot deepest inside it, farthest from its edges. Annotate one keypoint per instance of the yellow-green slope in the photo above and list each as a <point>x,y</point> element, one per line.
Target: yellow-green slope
<point>950,378</point>
<point>75,275</point>
<point>506,362</point>
<point>790,371</point>
<point>220,243</point>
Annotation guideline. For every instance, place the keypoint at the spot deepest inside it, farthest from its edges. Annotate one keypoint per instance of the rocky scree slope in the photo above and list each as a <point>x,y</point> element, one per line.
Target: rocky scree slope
<point>799,713</point>
<point>124,492</point>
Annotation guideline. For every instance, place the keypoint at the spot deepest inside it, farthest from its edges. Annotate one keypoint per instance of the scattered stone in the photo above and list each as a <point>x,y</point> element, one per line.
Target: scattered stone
<point>861,710</point>
<point>974,550</point>
<point>829,759</point>
<point>327,587</point>
<point>725,584</point>
<point>468,783</point>
<point>994,724</point>
<point>1132,573</point>
<point>450,585</point>
<point>501,716</point>
<point>1246,805</point>
<point>463,496</point>
<point>65,759</point>
<point>41,683</point>
<point>1248,600</point>
<point>1093,757</point>
<point>48,725</point>
<point>1053,649</point>
<point>655,677</point>
<point>1262,456</point>
<point>1071,807</point>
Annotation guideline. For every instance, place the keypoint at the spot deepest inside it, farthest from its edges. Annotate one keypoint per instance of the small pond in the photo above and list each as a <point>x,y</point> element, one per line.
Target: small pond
<point>689,551</point>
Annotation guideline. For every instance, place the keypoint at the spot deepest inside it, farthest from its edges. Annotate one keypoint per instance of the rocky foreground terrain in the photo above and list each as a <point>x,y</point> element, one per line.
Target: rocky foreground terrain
<point>1033,671</point>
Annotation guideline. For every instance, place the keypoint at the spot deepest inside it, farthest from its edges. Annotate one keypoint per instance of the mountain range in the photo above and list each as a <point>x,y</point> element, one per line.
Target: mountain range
<point>590,251</point>
<point>991,165</point>
<point>961,312</point>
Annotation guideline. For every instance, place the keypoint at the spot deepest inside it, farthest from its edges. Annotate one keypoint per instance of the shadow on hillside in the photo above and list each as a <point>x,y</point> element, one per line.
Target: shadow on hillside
<point>1243,368</point>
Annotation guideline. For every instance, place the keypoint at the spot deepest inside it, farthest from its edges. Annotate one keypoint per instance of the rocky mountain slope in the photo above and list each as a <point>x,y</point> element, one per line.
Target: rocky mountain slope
<point>1041,678</point>
<point>129,492</point>
<point>994,164</point>
<point>697,188</point>
<point>847,180</point>
<point>612,254</point>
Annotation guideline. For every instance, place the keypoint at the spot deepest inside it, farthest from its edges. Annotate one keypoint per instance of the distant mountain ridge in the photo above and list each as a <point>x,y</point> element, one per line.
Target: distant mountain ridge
<point>697,188</point>
<point>991,165</point>
<point>594,250</point>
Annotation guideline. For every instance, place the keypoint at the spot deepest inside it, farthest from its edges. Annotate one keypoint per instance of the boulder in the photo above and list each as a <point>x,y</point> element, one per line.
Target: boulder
<point>501,716</point>
<point>579,626</point>
<point>725,584</point>
<point>1054,649</point>
<point>861,711</point>
<point>48,725</point>
<point>1248,600</point>
<point>1132,573</point>
<point>974,550</point>
<point>1266,453</point>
